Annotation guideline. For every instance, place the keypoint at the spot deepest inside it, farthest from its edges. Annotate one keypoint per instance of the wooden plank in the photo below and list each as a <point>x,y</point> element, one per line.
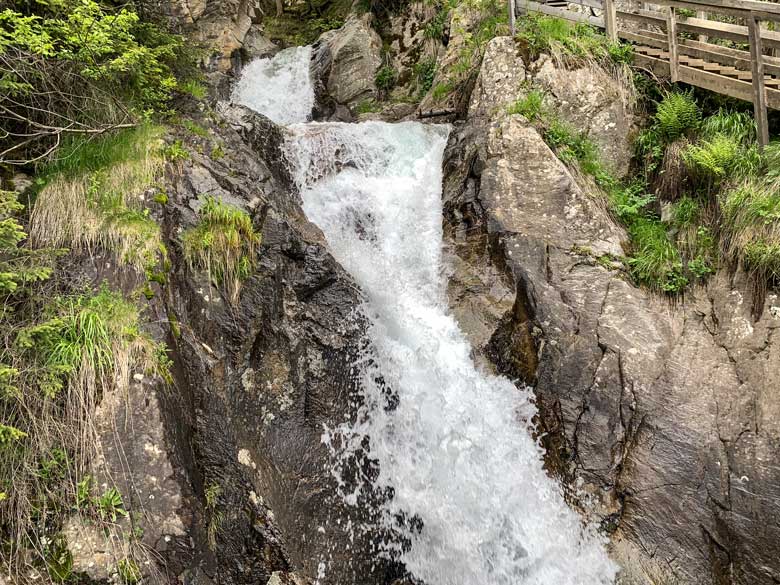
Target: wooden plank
<point>671,37</point>
<point>562,13</point>
<point>512,13</point>
<point>759,91</point>
<point>702,15</point>
<point>642,39</point>
<point>610,20</point>
<point>721,30</point>
<point>727,86</point>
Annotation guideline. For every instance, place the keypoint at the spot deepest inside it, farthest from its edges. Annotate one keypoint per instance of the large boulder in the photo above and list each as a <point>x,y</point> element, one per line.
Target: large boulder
<point>660,418</point>
<point>354,55</point>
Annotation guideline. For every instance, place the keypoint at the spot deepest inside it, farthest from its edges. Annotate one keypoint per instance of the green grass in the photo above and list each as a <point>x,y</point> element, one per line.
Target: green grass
<point>194,128</point>
<point>531,105</point>
<point>223,243</point>
<point>542,33</point>
<point>79,155</point>
<point>367,106</point>
<point>654,260</point>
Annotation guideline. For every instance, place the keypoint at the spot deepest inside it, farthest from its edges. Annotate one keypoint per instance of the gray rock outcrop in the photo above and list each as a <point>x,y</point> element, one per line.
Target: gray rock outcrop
<point>354,55</point>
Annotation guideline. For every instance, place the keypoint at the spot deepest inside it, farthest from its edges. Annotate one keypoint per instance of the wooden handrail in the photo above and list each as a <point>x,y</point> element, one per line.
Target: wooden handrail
<point>743,8</point>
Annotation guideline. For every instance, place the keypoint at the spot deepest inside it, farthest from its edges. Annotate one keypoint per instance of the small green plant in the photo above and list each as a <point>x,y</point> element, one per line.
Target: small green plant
<point>213,492</point>
<point>194,88</point>
<point>176,151</point>
<point>110,505</point>
<point>217,152</point>
<point>434,28</point>
<point>10,435</point>
<point>161,197</point>
<point>424,73</point>
<point>530,105</point>
<point>83,492</point>
<point>385,78</point>
<point>223,243</point>
<point>194,128</point>
<point>128,571</point>
<point>59,560</point>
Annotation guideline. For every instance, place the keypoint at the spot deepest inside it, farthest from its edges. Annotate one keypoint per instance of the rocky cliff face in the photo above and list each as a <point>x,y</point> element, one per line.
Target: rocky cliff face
<point>224,472</point>
<point>661,414</point>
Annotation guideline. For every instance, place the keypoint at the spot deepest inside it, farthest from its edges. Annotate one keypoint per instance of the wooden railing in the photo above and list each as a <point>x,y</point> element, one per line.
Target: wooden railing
<point>742,74</point>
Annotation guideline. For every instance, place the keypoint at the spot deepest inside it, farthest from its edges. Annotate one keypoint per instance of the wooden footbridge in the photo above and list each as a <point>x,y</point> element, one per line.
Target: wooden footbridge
<point>685,48</point>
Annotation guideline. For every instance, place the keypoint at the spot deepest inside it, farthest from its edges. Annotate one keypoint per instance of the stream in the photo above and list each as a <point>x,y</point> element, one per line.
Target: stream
<point>451,444</point>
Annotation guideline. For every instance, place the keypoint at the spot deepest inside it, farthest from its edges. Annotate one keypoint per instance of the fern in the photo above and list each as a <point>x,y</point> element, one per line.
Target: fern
<point>677,114</point>
<point>715,157</point>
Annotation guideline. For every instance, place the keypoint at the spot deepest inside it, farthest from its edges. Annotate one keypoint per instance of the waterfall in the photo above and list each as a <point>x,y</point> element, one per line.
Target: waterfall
<point>452,444</point>
<point>278,87</point>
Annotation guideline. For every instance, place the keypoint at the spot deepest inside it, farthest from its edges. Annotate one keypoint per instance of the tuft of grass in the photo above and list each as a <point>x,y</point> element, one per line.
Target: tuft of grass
<point>739,126</point>
<point>194,128</point>
<point>82,155</point>
<point>367,107</point>
<point>655,261</point>
<point>194,88</point>
<point>562,38</point>
<point>223,243</point>
<point>88,204</point>
<point>531,105</point>
<point>751,216</point>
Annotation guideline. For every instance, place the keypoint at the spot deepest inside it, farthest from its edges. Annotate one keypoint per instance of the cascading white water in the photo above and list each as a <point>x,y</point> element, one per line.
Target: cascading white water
<point>278,87</point>
<point>453,443</point>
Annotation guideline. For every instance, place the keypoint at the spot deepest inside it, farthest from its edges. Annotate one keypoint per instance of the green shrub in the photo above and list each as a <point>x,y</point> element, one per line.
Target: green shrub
<point>424,73</point>
<point>385,78</point>
<point>223,243</point>
<point>677,114</point>
<point>71,66</point>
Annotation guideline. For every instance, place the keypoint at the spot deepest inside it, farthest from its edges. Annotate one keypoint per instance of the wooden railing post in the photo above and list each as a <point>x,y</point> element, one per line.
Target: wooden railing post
<point>671,33</point>
<point>757,72</point>
<point>702,15</point>
<point>610,20</point>
<point>512,17</point>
